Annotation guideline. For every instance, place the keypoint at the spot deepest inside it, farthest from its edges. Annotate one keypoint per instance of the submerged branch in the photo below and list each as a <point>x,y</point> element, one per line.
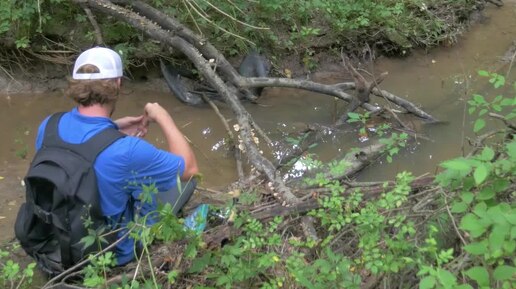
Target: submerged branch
<point>336,90</point>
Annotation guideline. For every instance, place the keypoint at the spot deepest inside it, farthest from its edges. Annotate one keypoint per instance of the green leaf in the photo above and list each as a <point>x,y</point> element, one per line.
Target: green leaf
<point>459,207</point>
<point>479,274</point>
<point>459,164</point>
<point>87,241</point>
<point>500,185</point>
<point>479,98</point>
<point>508,101</point>
<point>486,193</point>
<point>480,174</point>
<point>479,124</point>
<point>471,224</point>
<point>483,73</point>
<point>511,150</point>
<point>504,272</point>
<point>467,197</point>
<point>199,264</point>
<point>446,278</point>
<point>477,248</point>
<point>427,283</point>
<point>499,80</point>
<point>487,154</point>
<point>497,215</point>
<point>497,236</point>
<point>480,209</point>
<point>353,115</point>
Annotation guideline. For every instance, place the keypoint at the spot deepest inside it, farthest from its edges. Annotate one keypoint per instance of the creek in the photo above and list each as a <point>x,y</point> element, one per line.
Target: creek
<point>440,81</point>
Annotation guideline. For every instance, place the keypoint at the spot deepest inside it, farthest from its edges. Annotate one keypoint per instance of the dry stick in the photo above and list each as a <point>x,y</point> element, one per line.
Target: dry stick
<point>96,27</point>
<point>479,141</point>
<point>453,219</point>
<point>238,155</point>
<point>503,119</point>
<point>511,62</point>
<point>407,105</point>
<point>209,190</point>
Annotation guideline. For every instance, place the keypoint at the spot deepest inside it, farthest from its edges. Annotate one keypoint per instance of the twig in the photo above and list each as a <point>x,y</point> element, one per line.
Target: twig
<point>503,119</point>
<point>479,141</point>
<point>96,27</point>
<point>453,219</point>
<point>209,190</point>
<point>236,150</point>
<point>234,19</point>
<point>206,18</point>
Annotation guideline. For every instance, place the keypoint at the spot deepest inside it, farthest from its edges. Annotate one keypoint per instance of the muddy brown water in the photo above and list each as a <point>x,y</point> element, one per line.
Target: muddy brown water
<point>440,81</point>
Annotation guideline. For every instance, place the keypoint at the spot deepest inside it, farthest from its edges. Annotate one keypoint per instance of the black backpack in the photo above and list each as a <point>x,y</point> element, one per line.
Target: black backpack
<point>61,197</point>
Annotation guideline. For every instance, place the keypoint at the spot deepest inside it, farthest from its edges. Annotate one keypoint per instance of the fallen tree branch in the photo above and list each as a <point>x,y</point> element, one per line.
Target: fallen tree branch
<point>336,90</point>
<point>407,105</point>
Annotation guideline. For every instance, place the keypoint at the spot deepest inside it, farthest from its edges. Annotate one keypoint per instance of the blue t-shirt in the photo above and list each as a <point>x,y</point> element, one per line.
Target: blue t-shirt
<point>121,169</point>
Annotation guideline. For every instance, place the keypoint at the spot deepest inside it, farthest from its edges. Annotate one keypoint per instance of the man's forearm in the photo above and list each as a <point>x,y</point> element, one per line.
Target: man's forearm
<point>178,145</point>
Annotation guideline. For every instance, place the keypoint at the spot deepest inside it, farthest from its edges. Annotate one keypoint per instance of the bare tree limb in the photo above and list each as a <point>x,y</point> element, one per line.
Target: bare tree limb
<point>96,27</point>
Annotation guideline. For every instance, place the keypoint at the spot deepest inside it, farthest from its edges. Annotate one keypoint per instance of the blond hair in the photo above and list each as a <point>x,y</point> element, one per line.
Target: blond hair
<point>90,92</point>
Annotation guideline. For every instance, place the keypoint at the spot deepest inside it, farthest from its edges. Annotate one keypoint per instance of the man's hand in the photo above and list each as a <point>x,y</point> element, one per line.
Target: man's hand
<point>177,143</point>
<point>155,112</point>
<point>133,125</point>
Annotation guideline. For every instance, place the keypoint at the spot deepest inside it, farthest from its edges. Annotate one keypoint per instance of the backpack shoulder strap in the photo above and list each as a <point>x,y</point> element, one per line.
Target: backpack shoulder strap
<point>95,145</point>
<point>89,149</point>
<point>51,136</point>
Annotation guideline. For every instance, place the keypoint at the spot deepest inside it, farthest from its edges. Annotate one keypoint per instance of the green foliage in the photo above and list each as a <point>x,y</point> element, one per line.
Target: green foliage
<point>393,144</point>
<point>12,275</point>
<point>360,118</point>
<point>482,203</point>
<point>499,104</point>
<point>233,26</point>
<point>95,272</point>
<point>22,20</point>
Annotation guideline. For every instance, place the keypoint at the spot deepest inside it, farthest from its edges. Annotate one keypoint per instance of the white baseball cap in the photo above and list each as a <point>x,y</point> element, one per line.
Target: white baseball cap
<point>106,60</point>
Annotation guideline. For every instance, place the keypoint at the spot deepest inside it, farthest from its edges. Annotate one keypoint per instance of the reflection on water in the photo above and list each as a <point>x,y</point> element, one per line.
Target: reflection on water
<point>440,81</point>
